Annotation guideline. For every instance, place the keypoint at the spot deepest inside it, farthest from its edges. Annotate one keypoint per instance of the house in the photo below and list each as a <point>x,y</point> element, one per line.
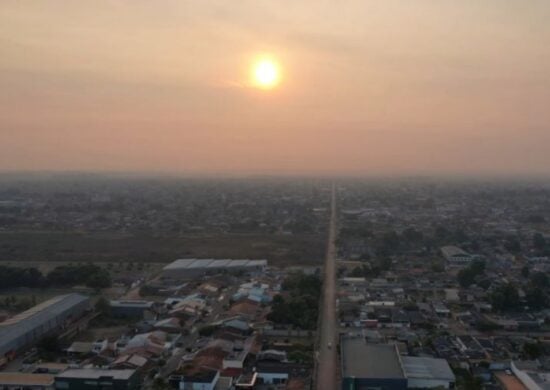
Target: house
<point>237,326</point>
<point>130,361</point>
<point>168,325</point>
<point>130,308</point>
<point>272,355</point>
<point>246,309</point>
<point>272,373</point>
<point>441,310</point>
<point>146,344</point>
<point>80,348</point>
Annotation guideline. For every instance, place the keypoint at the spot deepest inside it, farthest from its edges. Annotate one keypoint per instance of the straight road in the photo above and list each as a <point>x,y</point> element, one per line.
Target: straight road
<point>327,364</point>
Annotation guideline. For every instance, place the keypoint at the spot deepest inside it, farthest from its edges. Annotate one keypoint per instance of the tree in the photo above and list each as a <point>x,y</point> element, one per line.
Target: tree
<point>441,233</point>
<point>460,235</point>
<point>467,276</point>
<point>478,266</point>
<point>539,242</point>
<point>532,350</point>
<point>102,306</point>
<point>160,384</point>
<point>49,344</point>
<point>505,298</point>
<point>536,218</point>
<point>387,244</point>
<point>470,382</point>
<point>89,274</point>
<point>207,330</point>
<point>438,267</point>
<point>539,279</point>
<point>512,245</point>
<point>536,298</point>
<point>99,279</point>
<point>20,277</point>
<point>412,235</point>
<point>301,307</point>
<point>146,290</point>
<point>385,263</point>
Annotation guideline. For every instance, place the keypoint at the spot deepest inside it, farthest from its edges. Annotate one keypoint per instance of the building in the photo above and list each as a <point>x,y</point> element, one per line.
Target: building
<point>508,382</point>
<point>272,375</point>
<point>381,366</point>
<point>205,379</point>
<point>426,373</point>
<point>192,268</point>
<point>370,366</point>
<point>51,316</point>
<point>130,308</point>
<point>94,378</point>
<point>456,257</point>
<point>531,375</point>
<point>18,380</point>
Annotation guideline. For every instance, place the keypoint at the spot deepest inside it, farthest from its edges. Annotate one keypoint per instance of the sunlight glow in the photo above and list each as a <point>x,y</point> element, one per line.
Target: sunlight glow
<point>265,73</point>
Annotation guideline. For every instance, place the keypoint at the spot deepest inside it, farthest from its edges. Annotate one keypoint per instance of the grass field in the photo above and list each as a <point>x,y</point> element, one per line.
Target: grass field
<point>280,250</point>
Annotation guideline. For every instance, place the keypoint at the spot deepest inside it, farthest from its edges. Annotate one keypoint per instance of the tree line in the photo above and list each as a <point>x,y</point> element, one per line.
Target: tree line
<point>89,275</point>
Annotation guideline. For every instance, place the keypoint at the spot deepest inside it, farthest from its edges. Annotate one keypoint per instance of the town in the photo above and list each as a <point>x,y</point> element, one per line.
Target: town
<point>438,284</point>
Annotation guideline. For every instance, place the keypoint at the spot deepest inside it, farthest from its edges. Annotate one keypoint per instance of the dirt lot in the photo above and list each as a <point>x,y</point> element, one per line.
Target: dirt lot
<point>103,247</point>
<point>111,333</point>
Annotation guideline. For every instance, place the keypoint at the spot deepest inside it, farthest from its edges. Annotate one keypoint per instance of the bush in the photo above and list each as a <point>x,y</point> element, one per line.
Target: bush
<point>207,331</point>
<point>301,308</point>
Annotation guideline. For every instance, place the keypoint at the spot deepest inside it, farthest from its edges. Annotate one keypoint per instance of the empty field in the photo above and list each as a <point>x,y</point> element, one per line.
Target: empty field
<point>104,247</point>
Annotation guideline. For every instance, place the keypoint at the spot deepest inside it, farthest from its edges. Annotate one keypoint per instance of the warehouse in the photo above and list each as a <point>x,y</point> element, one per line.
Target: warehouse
<point>371,366</point>
<point>380,366</point>
<point>28,327</point>
<point>193,268</point>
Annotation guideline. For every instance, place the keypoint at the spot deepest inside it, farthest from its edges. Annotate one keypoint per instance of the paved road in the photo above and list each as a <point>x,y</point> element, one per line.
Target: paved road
<point>327,365</point>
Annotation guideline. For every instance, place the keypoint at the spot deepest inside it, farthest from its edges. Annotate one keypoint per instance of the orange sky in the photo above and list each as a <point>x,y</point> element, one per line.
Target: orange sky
<point>369,87</point>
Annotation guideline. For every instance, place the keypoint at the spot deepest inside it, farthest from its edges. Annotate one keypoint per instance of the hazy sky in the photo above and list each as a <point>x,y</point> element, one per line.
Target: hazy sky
<point>424,86</point>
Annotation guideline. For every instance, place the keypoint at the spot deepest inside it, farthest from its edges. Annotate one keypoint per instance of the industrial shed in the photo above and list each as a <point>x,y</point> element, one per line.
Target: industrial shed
<point>48,317</point>
<point>193,268</point>
<point>366,365</point>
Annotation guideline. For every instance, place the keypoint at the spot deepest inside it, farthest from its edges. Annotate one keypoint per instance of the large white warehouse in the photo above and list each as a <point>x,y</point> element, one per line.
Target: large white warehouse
<point>192,268</point>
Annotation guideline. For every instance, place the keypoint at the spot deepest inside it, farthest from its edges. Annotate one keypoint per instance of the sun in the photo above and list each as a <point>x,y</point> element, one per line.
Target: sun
<point>265,73</point>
